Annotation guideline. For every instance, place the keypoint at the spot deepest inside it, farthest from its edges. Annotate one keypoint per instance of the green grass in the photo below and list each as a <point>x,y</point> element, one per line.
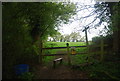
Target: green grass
<point>95,70</point>
<point>63,44</point>
<point>78,59</point>
<point>47,59</point>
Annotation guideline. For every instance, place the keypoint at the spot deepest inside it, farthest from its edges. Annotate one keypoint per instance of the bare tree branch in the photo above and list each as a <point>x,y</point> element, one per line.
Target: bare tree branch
<point>96,18</point>
<point>84,9</point>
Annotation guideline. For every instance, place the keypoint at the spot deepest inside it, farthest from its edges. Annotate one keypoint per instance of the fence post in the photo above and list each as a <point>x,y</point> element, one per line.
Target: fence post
<point>40,55</point>
<point>88,52</point>
<point>68,54</point>
<point>102,49</point>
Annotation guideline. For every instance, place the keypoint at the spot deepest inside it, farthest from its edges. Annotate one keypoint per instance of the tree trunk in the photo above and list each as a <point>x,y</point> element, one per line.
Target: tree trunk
<point>116,40</point>
<point>116,30</point>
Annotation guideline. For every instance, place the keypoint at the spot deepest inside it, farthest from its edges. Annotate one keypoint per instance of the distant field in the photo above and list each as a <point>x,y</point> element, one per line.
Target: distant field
<point>63,44</point>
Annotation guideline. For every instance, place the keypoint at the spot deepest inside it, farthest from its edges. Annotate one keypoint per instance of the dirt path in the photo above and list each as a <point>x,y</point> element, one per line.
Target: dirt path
<point>60,72</point>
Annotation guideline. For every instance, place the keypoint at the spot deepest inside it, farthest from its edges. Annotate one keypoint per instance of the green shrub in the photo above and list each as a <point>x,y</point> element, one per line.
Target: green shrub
<point>27,76</point>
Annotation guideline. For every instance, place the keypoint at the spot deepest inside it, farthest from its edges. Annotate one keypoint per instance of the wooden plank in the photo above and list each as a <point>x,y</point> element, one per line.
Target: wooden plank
<point>62,54</point>
<point>97,45</point>
<point>62,47</point>
<point>58,59</point>
<point>72,46</point>
<point>80,53</point>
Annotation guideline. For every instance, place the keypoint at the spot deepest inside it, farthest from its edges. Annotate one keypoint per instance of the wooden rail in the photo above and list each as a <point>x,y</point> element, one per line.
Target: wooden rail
<point>101,46</point>
<point>62,54</point>
<point>71,46</point>
<point>62,47</point>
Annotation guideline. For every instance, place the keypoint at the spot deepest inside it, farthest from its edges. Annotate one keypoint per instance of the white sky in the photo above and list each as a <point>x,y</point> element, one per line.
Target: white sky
<point>77,25</point>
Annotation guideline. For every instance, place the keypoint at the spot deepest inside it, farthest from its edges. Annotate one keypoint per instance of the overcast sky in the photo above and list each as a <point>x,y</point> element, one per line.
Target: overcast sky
<point>77,25</point>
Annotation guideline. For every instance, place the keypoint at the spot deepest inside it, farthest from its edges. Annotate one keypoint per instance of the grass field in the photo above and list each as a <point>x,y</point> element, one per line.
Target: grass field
<point>63,44</point>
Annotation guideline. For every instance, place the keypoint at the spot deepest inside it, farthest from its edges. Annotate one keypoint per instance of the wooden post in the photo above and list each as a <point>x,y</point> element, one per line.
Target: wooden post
<point>86,37</point>
<point>40,55</point>
<point>102,49</point>
<point>85,30</point>
<point>68,54</point>
<point>87,43</point>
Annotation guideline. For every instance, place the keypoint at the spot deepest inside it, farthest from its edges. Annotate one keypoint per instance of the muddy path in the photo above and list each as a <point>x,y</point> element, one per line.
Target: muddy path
<point>62,71</point>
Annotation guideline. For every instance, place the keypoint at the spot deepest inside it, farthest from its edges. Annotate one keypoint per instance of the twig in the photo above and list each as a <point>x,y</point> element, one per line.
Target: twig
<point>112,77</point>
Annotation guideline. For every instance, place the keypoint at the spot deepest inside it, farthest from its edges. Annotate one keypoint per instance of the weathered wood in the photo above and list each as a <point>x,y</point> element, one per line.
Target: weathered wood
<point>53,54</point>
<point>63,54</point>
<point>86,38</point>
<point>87,43</point>
<point>40,55</point>
<point>102,49</point>
<point>111,76</point>
<point>85,30</point>
<point>56,60</point>
<point>62,47</point>
<point>68,54</point>
<point>97,45</point>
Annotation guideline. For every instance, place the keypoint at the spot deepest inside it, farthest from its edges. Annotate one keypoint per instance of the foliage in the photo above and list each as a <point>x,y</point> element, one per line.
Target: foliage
<point>26,23</point>
<point>73,37</point>
<point>116,17</point>
<point>104,13</point>
<point>107,40</point>
<point>97,70</point>
<point>96,40</point>
<point>78,59</point>
<point>47,60</point>
<point>26,76</point>
<point>112,12</point>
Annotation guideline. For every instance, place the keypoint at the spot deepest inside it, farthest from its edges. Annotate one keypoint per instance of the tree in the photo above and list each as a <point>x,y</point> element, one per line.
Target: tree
<point>61,38</point>
<point>104,12</point>
<point>25,24</point>
<point>75,36</point>
<point>67,38</point>
<point>116,28</point>
<point>114,18</point>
